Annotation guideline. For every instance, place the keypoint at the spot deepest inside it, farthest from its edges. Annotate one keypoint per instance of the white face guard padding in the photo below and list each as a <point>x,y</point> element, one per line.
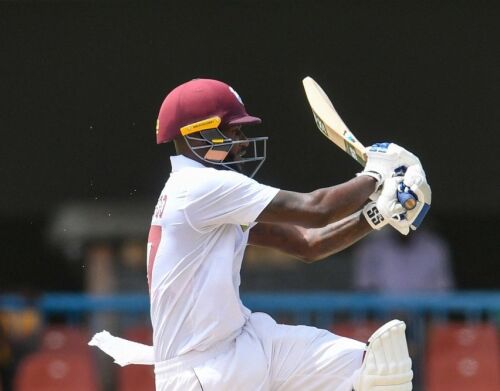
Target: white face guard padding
<point>217,148</point>
<point>387,364</point>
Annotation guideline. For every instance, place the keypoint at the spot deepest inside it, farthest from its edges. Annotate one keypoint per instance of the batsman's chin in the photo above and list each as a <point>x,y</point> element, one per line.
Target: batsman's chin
<point>238,156</point>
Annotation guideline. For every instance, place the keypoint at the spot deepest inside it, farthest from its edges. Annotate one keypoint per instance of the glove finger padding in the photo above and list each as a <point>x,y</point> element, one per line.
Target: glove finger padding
<point>387,209</point>
<point>405,157</point>
<point>414,174</point>
<point>389,206</point>
<point>416,181</point>
<point>392,152</point>
<point>388,203</point>
<point>385,158</point>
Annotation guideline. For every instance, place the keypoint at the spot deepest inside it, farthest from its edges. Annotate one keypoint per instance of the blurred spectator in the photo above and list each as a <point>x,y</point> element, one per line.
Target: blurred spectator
<point>130,271</point>
<point>266,269</point>
<point>19,329</point>
<point>116,267</point>
<point>130,267</point>
<point>5,357</point>
<point>98,260</point>
<point>388,262</point>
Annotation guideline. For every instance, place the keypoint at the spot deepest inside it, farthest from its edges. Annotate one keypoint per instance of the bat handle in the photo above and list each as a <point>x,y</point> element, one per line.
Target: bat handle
<point>407,198</point>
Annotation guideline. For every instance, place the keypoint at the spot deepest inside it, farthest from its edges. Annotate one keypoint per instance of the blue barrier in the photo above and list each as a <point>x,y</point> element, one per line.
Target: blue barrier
<point>470,304</point>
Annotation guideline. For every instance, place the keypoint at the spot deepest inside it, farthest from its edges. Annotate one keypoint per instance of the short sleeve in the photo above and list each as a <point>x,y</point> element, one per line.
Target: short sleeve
<point>225,197</point>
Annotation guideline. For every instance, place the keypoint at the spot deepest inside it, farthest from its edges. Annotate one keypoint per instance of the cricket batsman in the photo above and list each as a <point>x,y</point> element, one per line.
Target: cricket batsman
<point>204,338</point>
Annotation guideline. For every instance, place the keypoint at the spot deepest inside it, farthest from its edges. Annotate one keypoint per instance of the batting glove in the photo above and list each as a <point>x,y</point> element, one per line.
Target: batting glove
<point>392,212</point>
<point>387,209</point>
<point>415,182</point>
<point>384,159</point>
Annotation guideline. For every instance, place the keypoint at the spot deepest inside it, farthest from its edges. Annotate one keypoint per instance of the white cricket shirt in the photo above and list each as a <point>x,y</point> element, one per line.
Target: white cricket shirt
<point>195,248</point>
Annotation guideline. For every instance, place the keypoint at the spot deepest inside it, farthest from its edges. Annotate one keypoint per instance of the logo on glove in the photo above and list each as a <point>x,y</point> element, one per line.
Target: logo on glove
<point>375,217</point>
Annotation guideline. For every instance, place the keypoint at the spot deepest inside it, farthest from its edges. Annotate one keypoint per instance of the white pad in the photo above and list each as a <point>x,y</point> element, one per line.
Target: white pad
<point>387,364</point>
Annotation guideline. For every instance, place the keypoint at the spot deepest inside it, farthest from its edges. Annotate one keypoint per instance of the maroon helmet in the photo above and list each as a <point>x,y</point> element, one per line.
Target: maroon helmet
<point>198,100</point>
<point>200,110</point>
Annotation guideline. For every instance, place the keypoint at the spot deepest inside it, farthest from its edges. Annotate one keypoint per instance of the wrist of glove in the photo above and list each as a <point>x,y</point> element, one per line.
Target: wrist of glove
<point>377,220</point>
<point>377,177</point>
<point>373,216</point>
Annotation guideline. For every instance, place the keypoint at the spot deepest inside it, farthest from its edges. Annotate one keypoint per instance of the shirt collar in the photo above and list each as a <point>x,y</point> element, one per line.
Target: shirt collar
<point>180,162</point>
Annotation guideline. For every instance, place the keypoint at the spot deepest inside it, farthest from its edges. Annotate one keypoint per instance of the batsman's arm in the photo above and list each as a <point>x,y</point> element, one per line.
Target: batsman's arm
<point>320,207</point>
<point>310,244</point>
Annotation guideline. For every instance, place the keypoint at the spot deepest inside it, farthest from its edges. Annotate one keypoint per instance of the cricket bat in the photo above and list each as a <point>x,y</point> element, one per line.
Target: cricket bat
<point>331,125</point>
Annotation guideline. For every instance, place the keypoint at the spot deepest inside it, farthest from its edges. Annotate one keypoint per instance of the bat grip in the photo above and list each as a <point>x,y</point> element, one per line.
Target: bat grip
<point>407,198</point>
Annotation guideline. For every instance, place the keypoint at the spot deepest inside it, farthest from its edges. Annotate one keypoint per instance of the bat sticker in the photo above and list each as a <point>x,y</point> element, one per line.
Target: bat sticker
<point>351,151</point>
<point>320,124</point>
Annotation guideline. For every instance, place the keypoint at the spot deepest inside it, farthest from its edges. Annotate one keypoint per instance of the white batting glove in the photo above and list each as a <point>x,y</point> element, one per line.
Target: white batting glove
<point>387,209</point>
<point>373,216</point>
<point>387,202</point>
<point>384,159</point>
<point>415,182</point>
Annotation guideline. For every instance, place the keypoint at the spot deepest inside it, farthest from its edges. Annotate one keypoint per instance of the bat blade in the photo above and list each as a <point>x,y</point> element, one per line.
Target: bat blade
<point>329,122</point>
<point>331,125</point>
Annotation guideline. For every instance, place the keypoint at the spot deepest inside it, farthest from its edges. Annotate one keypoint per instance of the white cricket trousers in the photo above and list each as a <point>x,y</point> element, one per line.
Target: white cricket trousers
<point>267,357</point>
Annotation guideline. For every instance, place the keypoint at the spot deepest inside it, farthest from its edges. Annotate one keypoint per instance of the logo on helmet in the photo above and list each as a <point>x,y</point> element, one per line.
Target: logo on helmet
<point>236,94</point>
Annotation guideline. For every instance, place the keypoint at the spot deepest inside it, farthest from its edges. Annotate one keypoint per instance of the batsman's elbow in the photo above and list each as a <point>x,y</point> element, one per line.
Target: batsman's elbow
<point>310,251</point>
<point>310,257</point>
<point>315,248</point>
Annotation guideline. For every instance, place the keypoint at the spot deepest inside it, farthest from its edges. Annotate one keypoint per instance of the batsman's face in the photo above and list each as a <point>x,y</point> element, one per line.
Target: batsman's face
<point>237,150</point>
